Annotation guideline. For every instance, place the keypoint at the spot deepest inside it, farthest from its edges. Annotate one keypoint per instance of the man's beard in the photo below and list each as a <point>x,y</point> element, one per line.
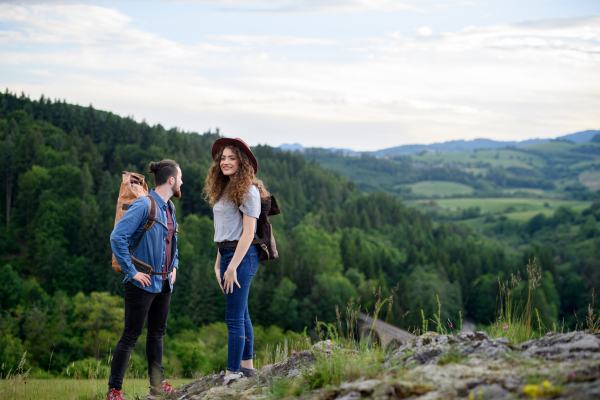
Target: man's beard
<point>177,192</point>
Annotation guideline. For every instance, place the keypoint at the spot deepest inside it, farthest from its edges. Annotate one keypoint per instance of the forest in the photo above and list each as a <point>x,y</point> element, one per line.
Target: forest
<point>62,303</point>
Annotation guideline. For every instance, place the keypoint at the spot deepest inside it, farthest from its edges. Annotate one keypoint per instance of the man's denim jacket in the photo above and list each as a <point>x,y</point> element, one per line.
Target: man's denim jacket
<point>153,245</point>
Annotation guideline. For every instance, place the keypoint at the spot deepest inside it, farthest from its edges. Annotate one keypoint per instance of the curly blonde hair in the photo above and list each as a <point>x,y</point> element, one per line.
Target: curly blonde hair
<point>217,185</point>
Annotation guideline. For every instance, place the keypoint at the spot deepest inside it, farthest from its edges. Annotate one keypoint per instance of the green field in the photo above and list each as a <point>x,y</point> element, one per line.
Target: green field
<point>503,157</point>
<point>440,188</point>
<point>516,208</point>
<point>527,215</point>
<point>535,192</point>
<point>535,156</point>
<point>477,171</point>
<point>585,164</point>
<point>590,179</point>
<point>67,389</point>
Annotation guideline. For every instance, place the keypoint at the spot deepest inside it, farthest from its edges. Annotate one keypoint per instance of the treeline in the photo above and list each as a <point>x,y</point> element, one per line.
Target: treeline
<point>61,172</point>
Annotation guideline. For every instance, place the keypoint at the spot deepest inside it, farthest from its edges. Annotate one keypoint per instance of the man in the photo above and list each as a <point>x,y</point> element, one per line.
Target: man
<point>147,296</point>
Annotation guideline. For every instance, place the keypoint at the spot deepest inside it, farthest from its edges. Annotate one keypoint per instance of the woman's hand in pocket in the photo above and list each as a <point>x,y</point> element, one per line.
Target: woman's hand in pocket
<point>218,273</point>
<point>230,278</point>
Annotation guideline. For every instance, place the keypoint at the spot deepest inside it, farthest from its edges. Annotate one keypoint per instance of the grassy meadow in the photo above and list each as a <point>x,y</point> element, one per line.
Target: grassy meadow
<point>590,179</point>
<point>440,188</point>
<point>77,389</point>
<point>503,157</point>
<point>515,208</point>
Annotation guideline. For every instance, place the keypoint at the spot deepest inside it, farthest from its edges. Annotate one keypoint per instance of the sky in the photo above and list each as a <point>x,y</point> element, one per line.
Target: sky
<point>356,74</point>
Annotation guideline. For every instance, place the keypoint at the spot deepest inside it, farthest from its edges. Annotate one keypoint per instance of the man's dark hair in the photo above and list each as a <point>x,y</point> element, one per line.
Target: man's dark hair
<point>163,170</point>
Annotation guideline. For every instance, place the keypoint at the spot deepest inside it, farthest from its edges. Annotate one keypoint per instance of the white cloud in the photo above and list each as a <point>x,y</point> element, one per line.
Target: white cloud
<point>318,6</point>
<point>424,31</point>
<point>285,6</point>
<point>454,3</point>
<point>272,40</point>
<point>540,78</point>
<point>564,40</point>
<point>103,39</point>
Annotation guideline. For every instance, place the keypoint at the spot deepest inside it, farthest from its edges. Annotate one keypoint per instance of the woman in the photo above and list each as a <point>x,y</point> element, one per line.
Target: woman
<point>236,194</point>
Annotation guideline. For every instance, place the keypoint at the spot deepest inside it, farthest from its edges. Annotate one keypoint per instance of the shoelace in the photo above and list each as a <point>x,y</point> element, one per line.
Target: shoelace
<point>115,394</point>
<point>167,388</point>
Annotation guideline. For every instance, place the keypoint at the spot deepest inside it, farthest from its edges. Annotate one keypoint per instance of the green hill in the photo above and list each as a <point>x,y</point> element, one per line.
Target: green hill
<point>557,168</point>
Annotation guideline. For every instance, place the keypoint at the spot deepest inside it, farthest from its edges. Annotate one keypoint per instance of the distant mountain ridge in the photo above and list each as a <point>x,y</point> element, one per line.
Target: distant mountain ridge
<point>452,146</point>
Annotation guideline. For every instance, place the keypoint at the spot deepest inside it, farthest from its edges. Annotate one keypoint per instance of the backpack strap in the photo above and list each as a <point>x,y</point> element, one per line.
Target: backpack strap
<point>149,222</point>
<point>139,265</point>
<point>263,245</point>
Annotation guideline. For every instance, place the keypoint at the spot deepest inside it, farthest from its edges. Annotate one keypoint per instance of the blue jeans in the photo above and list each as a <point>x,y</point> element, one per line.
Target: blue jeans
<point>237,318</point>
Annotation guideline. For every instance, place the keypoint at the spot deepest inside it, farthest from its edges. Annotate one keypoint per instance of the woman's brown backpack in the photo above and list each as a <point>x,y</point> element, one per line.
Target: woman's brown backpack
<point>264,230</point>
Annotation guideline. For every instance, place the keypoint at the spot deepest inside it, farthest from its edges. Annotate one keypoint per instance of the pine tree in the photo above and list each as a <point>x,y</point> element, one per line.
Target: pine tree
<point>8,164</point>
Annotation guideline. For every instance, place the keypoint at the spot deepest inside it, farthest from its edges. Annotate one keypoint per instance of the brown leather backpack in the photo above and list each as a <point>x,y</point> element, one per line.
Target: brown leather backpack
<point>132,188</point>
<point>264,230</point>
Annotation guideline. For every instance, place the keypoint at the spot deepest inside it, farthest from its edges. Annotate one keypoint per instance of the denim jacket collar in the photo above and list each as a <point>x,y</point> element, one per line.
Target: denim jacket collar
<point>159,201</point>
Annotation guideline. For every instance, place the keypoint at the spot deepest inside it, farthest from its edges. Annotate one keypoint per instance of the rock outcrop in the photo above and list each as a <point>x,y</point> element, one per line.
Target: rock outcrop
<point>464,366</point>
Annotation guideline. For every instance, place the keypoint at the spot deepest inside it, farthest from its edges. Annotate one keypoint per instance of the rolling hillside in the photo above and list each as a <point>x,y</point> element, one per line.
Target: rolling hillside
<point>557,168</point>
<point>453,145</point>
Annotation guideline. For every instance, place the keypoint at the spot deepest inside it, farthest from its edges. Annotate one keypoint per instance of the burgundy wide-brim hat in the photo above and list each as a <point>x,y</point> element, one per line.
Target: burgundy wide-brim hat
<point>223,142</point>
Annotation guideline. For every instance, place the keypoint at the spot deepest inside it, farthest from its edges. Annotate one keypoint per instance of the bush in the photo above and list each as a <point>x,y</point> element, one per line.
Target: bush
<point>11,352</point>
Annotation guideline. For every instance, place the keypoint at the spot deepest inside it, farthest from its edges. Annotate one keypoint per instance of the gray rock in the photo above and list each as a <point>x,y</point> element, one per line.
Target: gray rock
<point>350,396</point>
<point>427,349</point>
<point>568,346</point>
<point>294,372</point>
<point>490,392</point>
<point>297,363</point>
<point>571,359</point>
<point>368,385</point>
<point>582,390</point>
<point>231,377</point>
<point>326,346</point>
<point>511,383</point>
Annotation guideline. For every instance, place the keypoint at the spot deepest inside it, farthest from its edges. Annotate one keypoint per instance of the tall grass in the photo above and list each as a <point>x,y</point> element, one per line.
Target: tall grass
<point>515,315</point>
<point>592,320</point>
<point>278,352</point>
<point>348,354</point>
<point>351,356</point>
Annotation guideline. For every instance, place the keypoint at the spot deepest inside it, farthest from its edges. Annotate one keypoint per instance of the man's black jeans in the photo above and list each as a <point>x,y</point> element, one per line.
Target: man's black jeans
<point>140,304</point>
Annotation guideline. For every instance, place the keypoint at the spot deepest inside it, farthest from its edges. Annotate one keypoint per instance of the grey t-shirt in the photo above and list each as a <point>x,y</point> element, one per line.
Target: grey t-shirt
<point>228,218</point>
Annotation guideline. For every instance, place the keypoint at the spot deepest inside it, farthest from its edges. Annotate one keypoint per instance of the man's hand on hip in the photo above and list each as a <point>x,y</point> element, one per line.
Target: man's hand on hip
<point>173,275</point>
<point>143,279</point>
